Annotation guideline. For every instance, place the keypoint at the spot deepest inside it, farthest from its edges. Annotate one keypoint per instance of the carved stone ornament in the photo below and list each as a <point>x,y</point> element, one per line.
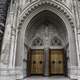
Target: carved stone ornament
<point>56,42</point>
<point>54,4</point>
<point>37,42</point>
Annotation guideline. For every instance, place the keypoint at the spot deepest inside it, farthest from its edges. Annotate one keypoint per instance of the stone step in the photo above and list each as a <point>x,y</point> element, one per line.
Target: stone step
<point>47,78</point>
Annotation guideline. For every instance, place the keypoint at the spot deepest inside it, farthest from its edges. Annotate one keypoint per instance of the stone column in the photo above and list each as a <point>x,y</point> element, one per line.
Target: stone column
<point>77,25</point>
<point>6,39</point>
<point>13,37</point>
<point>46,69</point>
<point>13,41</point>
<point>46,50</point>
<point>6,54</point>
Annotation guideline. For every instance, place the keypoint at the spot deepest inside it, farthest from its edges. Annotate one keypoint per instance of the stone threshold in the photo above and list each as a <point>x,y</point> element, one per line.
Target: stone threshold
<point>46,78</point>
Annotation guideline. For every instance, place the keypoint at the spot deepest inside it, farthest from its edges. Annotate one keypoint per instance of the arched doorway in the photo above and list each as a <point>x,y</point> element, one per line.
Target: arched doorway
<point>46,39</point>
<point>42,22</point>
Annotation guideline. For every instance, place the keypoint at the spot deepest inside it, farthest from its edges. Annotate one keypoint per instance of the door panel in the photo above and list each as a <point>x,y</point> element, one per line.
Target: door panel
<point>56,62</point>
<point>37,62</point>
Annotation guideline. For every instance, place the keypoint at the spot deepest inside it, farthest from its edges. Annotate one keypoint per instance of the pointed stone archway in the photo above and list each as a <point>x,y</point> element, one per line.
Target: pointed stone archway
<point>47,35</point>
<point>55,17</point>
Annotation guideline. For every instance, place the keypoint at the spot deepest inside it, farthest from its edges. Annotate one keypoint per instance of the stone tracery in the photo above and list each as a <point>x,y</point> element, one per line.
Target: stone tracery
<point>56,42</point>
<point>37,42</point>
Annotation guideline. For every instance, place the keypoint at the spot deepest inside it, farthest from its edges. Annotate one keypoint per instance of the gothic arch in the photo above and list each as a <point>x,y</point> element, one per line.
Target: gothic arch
<point>31,7</point>
<point>24,26</point>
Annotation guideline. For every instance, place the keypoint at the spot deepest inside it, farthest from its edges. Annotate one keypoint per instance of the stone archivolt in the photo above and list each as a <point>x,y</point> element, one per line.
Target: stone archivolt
<point>55,4</point>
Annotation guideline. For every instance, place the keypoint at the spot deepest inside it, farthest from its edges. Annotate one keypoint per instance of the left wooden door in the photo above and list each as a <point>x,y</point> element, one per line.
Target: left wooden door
<point>37,62</point>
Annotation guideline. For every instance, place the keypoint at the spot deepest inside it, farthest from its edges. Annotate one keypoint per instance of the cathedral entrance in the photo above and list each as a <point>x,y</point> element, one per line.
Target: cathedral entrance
<point>46,41</point>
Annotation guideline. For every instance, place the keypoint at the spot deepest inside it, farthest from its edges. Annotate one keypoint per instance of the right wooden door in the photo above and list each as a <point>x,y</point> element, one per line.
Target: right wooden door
<point>56,62</point>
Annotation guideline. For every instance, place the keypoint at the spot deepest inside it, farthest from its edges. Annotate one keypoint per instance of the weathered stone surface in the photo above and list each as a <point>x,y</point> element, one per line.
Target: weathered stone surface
<point>14,53</point>
<point>3,14</point>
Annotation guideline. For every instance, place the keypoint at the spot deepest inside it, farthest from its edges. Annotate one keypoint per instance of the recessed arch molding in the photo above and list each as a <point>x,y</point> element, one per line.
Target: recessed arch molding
<point>54,4</point>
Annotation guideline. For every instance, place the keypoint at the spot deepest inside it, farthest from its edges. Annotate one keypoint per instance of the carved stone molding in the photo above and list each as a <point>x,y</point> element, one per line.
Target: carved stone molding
<point>64,10</point>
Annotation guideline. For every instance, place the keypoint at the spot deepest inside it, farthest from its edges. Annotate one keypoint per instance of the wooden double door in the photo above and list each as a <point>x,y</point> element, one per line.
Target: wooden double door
<point>55,59</point>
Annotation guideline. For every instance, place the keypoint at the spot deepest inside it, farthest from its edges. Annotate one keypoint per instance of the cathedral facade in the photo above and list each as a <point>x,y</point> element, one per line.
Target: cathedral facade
<point>40,38</point>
